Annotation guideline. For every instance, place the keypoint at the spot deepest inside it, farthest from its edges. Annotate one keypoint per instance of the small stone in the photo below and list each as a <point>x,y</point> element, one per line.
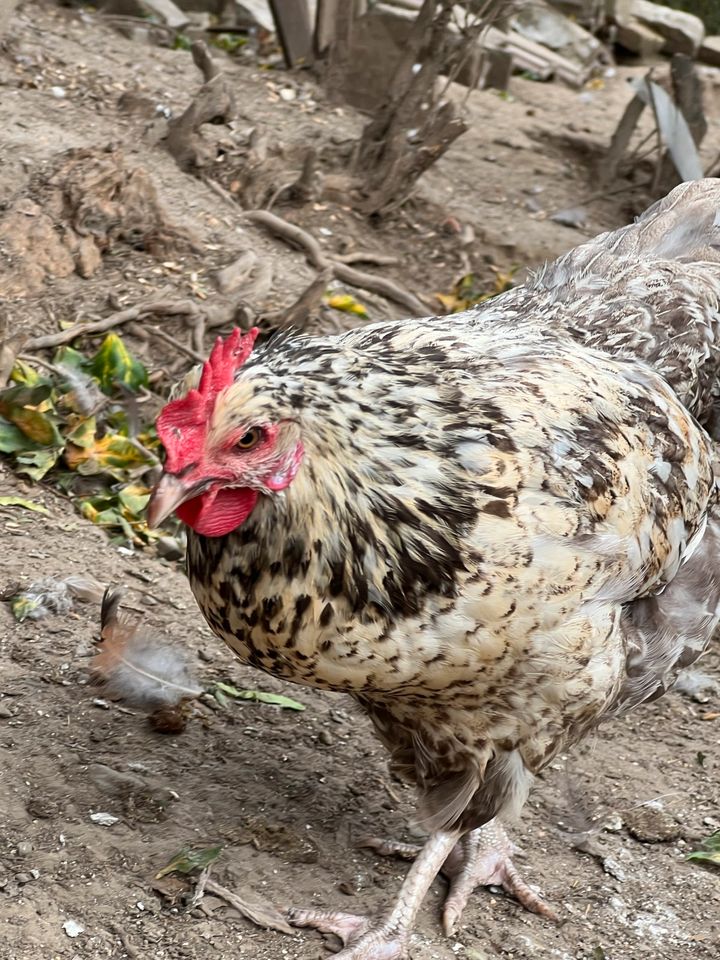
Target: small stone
<point>325,737</point>
<point>22,878</point>
<point>73,929</point>
<point>574,217</point>
<point>102,704</point>
<point>104,819</point>
<point>58,92</point>
<point>169,549</point>
<point>24,848</point>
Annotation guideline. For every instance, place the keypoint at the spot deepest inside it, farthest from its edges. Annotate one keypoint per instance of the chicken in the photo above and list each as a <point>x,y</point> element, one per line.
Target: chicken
<point>493,530</point>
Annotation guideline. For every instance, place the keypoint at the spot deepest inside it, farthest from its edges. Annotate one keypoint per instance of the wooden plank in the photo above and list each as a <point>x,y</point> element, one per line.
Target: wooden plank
<point>325,18</point>
<point>292,23</point>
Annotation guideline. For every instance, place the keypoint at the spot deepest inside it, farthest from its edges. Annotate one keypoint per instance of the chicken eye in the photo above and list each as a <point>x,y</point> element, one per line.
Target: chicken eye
<point>250,439</point>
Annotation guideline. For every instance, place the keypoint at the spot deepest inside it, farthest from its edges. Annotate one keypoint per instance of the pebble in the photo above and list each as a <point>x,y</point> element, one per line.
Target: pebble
<point>5,712</point>
<point>58,92</point>
<point>24,848</point>
<point>169,549</point>
<point>72,928</point>
<point>325,737</point>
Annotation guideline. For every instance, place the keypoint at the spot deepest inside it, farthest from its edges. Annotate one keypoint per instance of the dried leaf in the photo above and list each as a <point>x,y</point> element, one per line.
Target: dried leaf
<point>22,502</point>
<point>114,364</point>
<point>188,860</point>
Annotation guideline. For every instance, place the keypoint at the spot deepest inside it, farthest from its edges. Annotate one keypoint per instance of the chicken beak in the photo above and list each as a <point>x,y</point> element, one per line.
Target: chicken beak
<point>167,496</point>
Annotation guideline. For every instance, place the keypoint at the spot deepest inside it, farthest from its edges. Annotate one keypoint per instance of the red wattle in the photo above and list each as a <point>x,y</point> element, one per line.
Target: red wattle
<point>218,511</point>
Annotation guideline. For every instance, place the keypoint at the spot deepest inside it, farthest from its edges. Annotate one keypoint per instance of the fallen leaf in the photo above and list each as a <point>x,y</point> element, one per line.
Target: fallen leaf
<point>11,439</point>
<point>36,463</point>
<point>277,699</point>
<point>22,502</point>
<point>348,304</point>
<point>711,853</point>
<point>23,607</point>
<point>188,860</point>
<point>114,364</point>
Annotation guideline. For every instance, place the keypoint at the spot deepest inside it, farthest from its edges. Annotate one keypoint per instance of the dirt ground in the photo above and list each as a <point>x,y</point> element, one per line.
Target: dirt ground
<point>287,794</point>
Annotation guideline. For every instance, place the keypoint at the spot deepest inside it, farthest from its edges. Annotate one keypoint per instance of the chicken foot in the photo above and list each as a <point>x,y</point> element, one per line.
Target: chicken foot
<point>385,939</point>
<point>482,857</point>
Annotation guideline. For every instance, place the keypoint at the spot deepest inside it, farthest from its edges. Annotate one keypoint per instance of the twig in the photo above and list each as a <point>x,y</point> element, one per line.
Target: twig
<point>174,342</point>
<point>200,884</point>
<point>166,308</point>
<point>367,256</point>
<point>220,190</point>
<point>31,358</point>
<point>261,914</point>
<point>309,300</point>
<point>143,21</point>
<point>296,236</point>
<point>203,61</point>
<point>661,154</point>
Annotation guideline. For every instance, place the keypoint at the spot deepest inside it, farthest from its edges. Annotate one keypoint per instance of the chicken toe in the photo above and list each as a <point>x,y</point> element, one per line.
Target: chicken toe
<point>387,938</point>
<point>482,857</point>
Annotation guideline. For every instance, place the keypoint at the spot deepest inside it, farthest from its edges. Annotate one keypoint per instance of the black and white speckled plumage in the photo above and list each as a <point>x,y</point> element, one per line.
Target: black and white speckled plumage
<point>505,527</point>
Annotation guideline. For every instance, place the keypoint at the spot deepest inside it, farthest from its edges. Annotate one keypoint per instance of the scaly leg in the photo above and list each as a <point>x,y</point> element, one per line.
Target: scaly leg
<point>482,857</point>
<point>387,938</point>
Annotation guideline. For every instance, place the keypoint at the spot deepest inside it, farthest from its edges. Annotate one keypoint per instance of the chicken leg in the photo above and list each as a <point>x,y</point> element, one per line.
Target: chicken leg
<point>385,939</point>
<point>482,857</point>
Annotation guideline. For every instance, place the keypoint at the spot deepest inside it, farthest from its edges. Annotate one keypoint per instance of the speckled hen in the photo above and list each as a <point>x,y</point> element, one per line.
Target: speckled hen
<point>493,530</point>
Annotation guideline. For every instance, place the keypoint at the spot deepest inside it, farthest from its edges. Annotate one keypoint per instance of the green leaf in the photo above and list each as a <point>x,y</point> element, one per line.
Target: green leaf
<point>24,374</point>
<point>22,502</point>
<point>36,463</point>
<point>23,607</point>
<point>134,498</point>
<point>188,860</point>
<point>68,357</point>
<point>277,699</point>
<point>711,853</point>
<point>22,396</point>
<point>37,427</point>
<point>111,454</point>
<point>82,433</point>
<point>11,439</point>
<point>17,404</point>
<point>113,364</point>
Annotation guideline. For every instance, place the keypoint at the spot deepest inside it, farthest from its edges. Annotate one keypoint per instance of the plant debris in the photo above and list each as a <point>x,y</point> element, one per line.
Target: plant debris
<point>260,696</point>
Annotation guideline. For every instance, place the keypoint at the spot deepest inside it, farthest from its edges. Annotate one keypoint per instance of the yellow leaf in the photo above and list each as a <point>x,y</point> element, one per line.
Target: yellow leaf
<point>348,304</point>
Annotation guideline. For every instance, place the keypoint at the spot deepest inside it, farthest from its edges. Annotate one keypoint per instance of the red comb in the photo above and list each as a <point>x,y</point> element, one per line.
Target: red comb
<point>182,423</point>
